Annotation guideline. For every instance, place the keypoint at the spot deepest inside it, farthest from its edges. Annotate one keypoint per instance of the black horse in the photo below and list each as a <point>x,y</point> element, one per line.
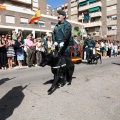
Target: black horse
<point>62,68</point>
<point>96,57</point>
<point>93,58</point>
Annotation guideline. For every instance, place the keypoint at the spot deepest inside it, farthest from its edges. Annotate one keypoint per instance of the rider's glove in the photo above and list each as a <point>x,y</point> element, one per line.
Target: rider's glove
<point>61,44</point>
<point>56,44</point>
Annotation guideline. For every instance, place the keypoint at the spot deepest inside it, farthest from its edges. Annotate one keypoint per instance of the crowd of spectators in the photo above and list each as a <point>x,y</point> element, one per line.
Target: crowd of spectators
<point>31,51</point>
<point>107,48</point>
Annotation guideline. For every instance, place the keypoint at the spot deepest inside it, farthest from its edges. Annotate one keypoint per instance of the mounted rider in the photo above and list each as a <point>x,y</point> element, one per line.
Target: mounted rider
<point>62,33</point>
<point>89,46</point>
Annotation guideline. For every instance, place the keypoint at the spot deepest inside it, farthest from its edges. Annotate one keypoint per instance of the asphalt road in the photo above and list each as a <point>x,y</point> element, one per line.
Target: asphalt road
<point>93,95</point>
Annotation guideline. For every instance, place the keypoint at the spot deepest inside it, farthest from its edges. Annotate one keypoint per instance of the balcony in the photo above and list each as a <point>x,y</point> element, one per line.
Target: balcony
<point>112,12</point>
<point>88,6</point>
<point>81,1</point>
<point>93,24</point>
<point>96,34</point>
<point>111,22</point>
<point>74,4</point>
<point>111,2</point>
<point>19,9</point>
<point>74,19</point>
<point>23,1</point>
<point>75,12</point>
<point>112,32</point>
<point>95,14</point>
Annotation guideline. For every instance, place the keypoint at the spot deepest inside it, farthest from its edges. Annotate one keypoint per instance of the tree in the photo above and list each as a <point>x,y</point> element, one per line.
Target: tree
<point>76,31</point>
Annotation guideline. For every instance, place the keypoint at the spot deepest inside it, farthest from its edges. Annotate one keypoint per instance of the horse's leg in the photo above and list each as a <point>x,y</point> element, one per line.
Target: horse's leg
<point>100,59</point>
<point>63,80</point>
<point>56,79</point>
<point>69,75</point>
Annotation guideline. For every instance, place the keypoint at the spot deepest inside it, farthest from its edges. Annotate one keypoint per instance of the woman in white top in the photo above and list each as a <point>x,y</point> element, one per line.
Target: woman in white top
<point>50,43</point>
<point>39,49</point>
<point>115,49</point>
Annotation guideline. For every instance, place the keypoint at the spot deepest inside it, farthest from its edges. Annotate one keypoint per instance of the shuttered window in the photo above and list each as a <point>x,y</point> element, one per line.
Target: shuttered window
<point>10,19</point>
<point>23,20</point>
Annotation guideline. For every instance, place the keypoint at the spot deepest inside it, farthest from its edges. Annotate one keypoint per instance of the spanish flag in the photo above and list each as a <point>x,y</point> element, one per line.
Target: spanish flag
<point>35,17</point>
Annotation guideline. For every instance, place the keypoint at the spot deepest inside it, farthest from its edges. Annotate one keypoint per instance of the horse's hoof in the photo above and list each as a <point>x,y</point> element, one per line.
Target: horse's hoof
<point>49,90</point>
<point>69,84</point>
<point>63,84</point>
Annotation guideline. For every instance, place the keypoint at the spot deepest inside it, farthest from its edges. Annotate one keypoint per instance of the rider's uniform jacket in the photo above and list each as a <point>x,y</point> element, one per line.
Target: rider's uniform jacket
<point>90,43</point>
<point>62,33</point>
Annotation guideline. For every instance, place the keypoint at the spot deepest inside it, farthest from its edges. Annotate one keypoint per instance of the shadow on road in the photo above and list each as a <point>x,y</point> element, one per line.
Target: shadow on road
<point>3,80</point>
<point>116,63</point>
<point>48,82</point>
<point>55,87</point>
<point>10,101</point>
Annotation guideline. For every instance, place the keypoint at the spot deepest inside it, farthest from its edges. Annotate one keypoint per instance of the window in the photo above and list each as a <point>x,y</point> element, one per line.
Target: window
<point>35,0</point>
<point>72,1</point>
<point>113,17</point>
<point>74,9</point>
<point>53,25</point>
<point>10,19</point>
<point>40,23</point>
<point>23,20</point>
<point>113,27</point>
<point>35,4</point>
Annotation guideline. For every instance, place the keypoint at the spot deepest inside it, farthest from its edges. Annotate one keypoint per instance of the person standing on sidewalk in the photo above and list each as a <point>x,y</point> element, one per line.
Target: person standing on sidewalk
<point>19,51</point>
<point>30,45</point>
<point>10,51</point>
<point>3,53</point>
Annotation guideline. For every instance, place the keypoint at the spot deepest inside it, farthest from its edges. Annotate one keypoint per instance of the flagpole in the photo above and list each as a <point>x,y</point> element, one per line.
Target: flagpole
<point>82,24</point>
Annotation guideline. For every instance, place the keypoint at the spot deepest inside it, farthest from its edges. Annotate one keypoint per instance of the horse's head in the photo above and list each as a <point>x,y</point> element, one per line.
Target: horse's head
<point>49,59</point>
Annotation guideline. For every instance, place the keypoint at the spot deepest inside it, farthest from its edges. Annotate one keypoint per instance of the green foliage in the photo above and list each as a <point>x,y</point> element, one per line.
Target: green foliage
<point>76,28</point>
<point>76,31</point>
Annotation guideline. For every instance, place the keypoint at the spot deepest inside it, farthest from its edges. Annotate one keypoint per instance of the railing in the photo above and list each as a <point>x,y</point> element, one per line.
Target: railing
<point>111,2</point>
<point>95,14</point>
<point>111,12</point>
<point>93,24</point>
<point>86,7</point>
<point>112,22</point>
<point>23,1</point>
<point>112,32</point>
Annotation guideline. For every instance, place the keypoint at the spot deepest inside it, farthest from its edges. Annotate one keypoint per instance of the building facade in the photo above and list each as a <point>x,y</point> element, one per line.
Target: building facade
<point>15,15</point>
<point>99,17</point>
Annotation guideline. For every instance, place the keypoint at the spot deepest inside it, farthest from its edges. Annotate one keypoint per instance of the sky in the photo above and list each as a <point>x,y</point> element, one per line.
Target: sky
<point>55,3</point>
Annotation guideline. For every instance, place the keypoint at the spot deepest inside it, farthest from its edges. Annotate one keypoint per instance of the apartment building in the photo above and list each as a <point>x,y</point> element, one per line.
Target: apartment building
<point>15,14</point>
<point>103,16</point>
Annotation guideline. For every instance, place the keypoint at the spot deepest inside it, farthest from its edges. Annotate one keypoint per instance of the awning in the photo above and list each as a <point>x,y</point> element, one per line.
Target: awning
<point>94,9</point>
<point>91,1</point>
<point>83,3</point>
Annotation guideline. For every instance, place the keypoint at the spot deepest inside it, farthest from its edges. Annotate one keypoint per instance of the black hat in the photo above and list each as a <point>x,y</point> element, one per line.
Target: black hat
<point>61,12</point>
